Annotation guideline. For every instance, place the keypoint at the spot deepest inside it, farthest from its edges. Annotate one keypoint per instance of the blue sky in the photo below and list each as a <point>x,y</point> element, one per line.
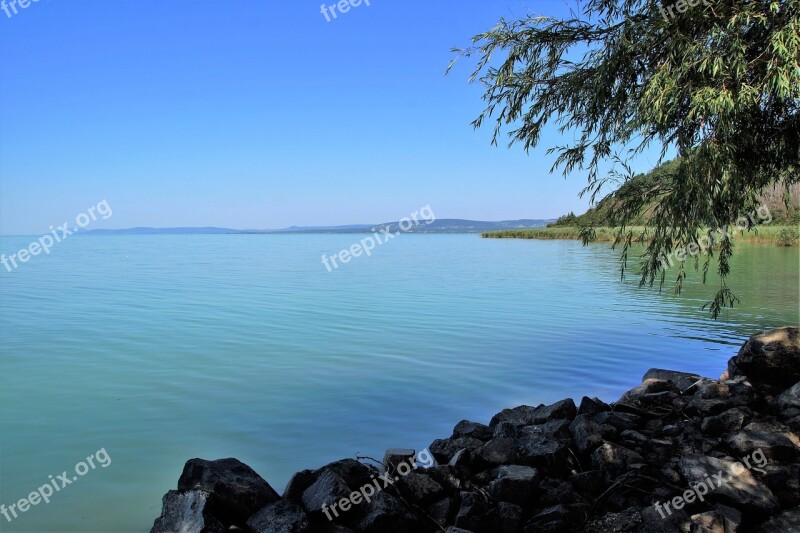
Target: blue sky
<point>251,114</point>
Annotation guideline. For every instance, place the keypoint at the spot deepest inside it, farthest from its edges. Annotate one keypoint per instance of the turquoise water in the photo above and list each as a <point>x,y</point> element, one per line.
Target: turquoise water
<point>163,348</point>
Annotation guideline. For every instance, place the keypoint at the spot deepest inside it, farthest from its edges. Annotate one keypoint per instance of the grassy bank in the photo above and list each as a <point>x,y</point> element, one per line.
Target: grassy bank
<point>778,235</point>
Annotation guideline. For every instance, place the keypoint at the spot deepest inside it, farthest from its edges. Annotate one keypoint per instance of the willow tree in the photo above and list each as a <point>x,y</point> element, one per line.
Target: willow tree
<point>716,82</point>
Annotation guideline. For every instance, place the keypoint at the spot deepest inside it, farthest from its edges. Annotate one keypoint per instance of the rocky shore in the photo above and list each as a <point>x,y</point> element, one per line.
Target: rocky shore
<point>679,452</point>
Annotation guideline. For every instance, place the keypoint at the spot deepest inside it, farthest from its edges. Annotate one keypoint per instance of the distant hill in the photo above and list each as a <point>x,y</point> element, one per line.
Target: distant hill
<point>161,231</point>
<point>445,225</point>
<point>598,215</point>
<point>438,226</point>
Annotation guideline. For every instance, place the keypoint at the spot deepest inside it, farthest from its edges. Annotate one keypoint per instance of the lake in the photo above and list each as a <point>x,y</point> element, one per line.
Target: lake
<point>163,348</point>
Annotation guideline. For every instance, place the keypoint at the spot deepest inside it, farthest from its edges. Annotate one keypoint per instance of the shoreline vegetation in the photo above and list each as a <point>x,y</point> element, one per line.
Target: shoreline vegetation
<point>779,235</point>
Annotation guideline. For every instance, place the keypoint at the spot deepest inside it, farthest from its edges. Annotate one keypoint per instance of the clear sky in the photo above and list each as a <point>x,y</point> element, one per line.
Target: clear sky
<point>256,114</point>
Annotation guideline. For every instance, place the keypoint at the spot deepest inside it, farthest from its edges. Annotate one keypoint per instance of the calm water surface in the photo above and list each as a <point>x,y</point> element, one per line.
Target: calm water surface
<point>163,348</point>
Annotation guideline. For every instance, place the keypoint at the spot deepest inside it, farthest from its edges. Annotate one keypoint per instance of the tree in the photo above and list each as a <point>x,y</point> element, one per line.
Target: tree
<point>718,82</point>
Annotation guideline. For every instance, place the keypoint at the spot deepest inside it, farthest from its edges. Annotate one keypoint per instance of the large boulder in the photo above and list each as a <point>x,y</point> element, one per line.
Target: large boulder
<point>770,359</point>
<point>547,450</point>
<point>513,483</point>
<point>586,433</point>
<point>682,380</point>
<point>773,439</point>
<point>729,482</point>
<point>328,489</point>
<point>465,428</point>
<point>525,415</point>
<point>239,491</point>
<point>189,512</point>
<point>387,514</point>
<point>283,516</point>
<point>789,399</point>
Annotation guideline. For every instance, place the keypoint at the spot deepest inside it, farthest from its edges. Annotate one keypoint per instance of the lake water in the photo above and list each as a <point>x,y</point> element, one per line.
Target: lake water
<point>163,348</point>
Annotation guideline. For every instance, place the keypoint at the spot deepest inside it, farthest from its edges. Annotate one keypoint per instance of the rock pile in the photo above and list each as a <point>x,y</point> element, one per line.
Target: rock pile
<point>678,453</point>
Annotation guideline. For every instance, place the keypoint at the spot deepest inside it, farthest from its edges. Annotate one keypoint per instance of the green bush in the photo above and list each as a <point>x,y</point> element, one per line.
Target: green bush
<point>788,237</point>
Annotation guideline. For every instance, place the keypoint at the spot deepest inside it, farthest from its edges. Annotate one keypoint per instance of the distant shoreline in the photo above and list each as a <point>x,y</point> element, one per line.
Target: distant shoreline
<point>765,235</point>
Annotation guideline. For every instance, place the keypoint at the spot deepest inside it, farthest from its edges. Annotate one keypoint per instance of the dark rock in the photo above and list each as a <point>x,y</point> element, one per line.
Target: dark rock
<point>395,456</point>
<point>552,519</point>
<point>563,410</point>
<point>239,491</point>
<point>518,416</point>
<point>283,516</point>
<point>328,489</point>
<point>634,436</point>
<point>739,489</point>
<point>190,511</point>
<point>332,527</point>
<point>784,482</point>
<point>682,380</point>
<point>713,390</point>
<point>546,452</point>
<point>589,482</point>
<point>705,407</point>
<point>613,458</point>
<point>586,433</point>
<point>495,452</point>
<point>505,429</point>
<point>650,393</point>
<point>298,483</point>
<point>442,511</point>
<point>794,424</point>
<point>352,472</point>
<point>732,517</point>
<point>387,514</point>
<point>661,442</point>
<point>513,483</point>
<point>626,521</point>
<point>472,511</point>
<point>449,477</point>
<point>671,521</point>
<point>786,522</point>
<point>592,406</point>
<point>462,457</point>
<point>620,421</point>
<point>555,492</point>
<point>444,449</point>
<point>708,522</point>
<point>554,429</point>
<point>774,439</point>
<point>789,399</point>
<point>465,428</point>
<point>725,422</point>
<point>505,518</point>
<point>419,488</point>
<point>770,359</point>
<point>525,415</point>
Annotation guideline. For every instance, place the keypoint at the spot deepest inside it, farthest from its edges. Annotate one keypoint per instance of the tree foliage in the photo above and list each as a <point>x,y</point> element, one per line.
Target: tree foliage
<point>717,82</point>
